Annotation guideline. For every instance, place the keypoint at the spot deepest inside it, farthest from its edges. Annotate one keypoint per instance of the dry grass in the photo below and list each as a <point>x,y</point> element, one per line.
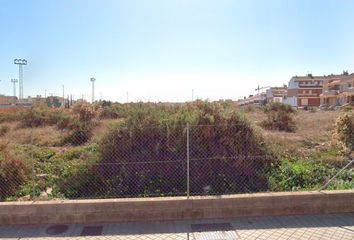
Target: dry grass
<point>43,136</point>
<point>313,134</point>
<point>316,126</point>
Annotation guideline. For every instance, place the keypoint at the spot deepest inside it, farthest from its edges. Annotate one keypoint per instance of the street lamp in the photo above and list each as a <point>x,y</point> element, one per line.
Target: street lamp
<point>93,89</point>
<point>20,63</point>
<point>14,81</point>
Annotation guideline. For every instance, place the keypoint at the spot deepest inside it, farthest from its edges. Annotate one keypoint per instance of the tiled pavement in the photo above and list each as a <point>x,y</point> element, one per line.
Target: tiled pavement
<point>334,226</point>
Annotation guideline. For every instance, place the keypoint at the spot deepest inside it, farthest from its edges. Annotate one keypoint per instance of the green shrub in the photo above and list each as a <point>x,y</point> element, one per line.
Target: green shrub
<point>109,110</point>
<point>80,133</point>
<point>81,124</point>
<point>304,174</point>
<point>224,145</point>
<point>71,173</point>
<point>84,112</point>
<point>297,175</point>
<point>44,116</point>
<point>344,131</point>
<point>279,117</point>
<point>13,173</point>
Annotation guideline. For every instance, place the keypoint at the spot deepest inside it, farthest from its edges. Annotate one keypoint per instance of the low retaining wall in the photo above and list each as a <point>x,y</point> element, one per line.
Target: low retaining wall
<point>176,208</point>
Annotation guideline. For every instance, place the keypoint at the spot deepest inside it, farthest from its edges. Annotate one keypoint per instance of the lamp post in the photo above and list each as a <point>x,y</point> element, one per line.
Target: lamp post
<point>20,63</point>
<point>63,102</point>
<point>93,89</point>
<point>14,81</point>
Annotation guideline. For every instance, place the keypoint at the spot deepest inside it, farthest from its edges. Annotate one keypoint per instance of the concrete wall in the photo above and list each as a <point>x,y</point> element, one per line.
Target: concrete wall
<point>177,208</point>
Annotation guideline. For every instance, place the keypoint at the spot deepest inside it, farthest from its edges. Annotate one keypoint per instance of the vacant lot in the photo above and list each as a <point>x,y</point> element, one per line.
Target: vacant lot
<point>79,152</point>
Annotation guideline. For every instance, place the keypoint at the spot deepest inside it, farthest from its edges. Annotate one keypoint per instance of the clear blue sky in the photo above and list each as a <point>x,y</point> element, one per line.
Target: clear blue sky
<point>161,49</point>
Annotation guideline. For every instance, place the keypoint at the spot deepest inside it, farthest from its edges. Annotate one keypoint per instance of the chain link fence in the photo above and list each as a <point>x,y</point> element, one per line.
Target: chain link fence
<point>186,160</point>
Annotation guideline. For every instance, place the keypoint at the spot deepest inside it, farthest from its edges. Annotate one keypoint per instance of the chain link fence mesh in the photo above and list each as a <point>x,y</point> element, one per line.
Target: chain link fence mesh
<point>150,162</point>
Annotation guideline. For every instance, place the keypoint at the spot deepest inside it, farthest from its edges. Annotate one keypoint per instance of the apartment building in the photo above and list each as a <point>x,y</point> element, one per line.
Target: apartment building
<point>338,90</point>
<point>304,91</point>
<point>276,94</point>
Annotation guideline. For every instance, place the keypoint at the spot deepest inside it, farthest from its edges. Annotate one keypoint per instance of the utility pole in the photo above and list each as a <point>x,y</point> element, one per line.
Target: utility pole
<point>63,103</point>
<point>20,63</point>
<point>93,89</point>
<point>14,81</point>
<point>192,95</point>
<point>127,97</point>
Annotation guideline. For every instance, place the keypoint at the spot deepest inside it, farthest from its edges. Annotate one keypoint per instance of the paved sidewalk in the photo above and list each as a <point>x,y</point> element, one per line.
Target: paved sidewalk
<point>331,227</point>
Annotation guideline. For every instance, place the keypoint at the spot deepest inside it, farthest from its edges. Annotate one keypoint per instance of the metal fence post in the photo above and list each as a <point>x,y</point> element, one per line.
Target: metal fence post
<point>33,168</point>
<point>187,160</point>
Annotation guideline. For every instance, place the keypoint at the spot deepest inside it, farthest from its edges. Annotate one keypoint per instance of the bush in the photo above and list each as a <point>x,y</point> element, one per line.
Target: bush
<point>80,133</point>
<point>279,117</point>
<point>4,129</point>
<point>223,141</point>
<point>297,175</point>
<point>348,108</point>
<point>344,131</point>
<point>80,121</point>
<point>13,173</point>
<point>81,124</point>
<point>71,173</point>
<point>84,112</point>
<point>44,116</point>
<point>109,110</point>
<point>304,174</point>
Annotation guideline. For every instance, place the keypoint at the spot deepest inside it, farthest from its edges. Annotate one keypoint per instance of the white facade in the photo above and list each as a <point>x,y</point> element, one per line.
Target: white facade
<point>292,101</point>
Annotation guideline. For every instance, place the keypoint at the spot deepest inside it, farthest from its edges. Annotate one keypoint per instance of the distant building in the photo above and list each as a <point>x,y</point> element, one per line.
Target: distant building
<point>38,100</point>
<point>276,94</point>
<point>304,91</point>
<point>338,90</point>
<point>7,100</point>
<point>258,99</point>
<point>51,101</point>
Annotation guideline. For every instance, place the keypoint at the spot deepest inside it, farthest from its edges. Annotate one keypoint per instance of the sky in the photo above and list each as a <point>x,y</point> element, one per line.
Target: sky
<point>159,50</point>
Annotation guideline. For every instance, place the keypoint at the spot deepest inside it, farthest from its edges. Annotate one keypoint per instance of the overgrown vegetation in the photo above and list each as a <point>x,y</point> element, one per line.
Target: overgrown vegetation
<point>4,129</point>
<point>13,172</point>
<point>307,174</point>
<point>60,153</point>
<point>344,131</point>
<point>79,121</point>
<point>279,117</point>
<point>159,134</point>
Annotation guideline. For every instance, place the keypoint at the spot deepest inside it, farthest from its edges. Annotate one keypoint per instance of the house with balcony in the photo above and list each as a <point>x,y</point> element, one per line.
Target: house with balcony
<point>338,90</point>
<point>304,91</point>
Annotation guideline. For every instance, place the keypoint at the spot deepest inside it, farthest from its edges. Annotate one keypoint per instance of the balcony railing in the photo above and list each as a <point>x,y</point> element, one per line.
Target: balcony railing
<point>330,93</point>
